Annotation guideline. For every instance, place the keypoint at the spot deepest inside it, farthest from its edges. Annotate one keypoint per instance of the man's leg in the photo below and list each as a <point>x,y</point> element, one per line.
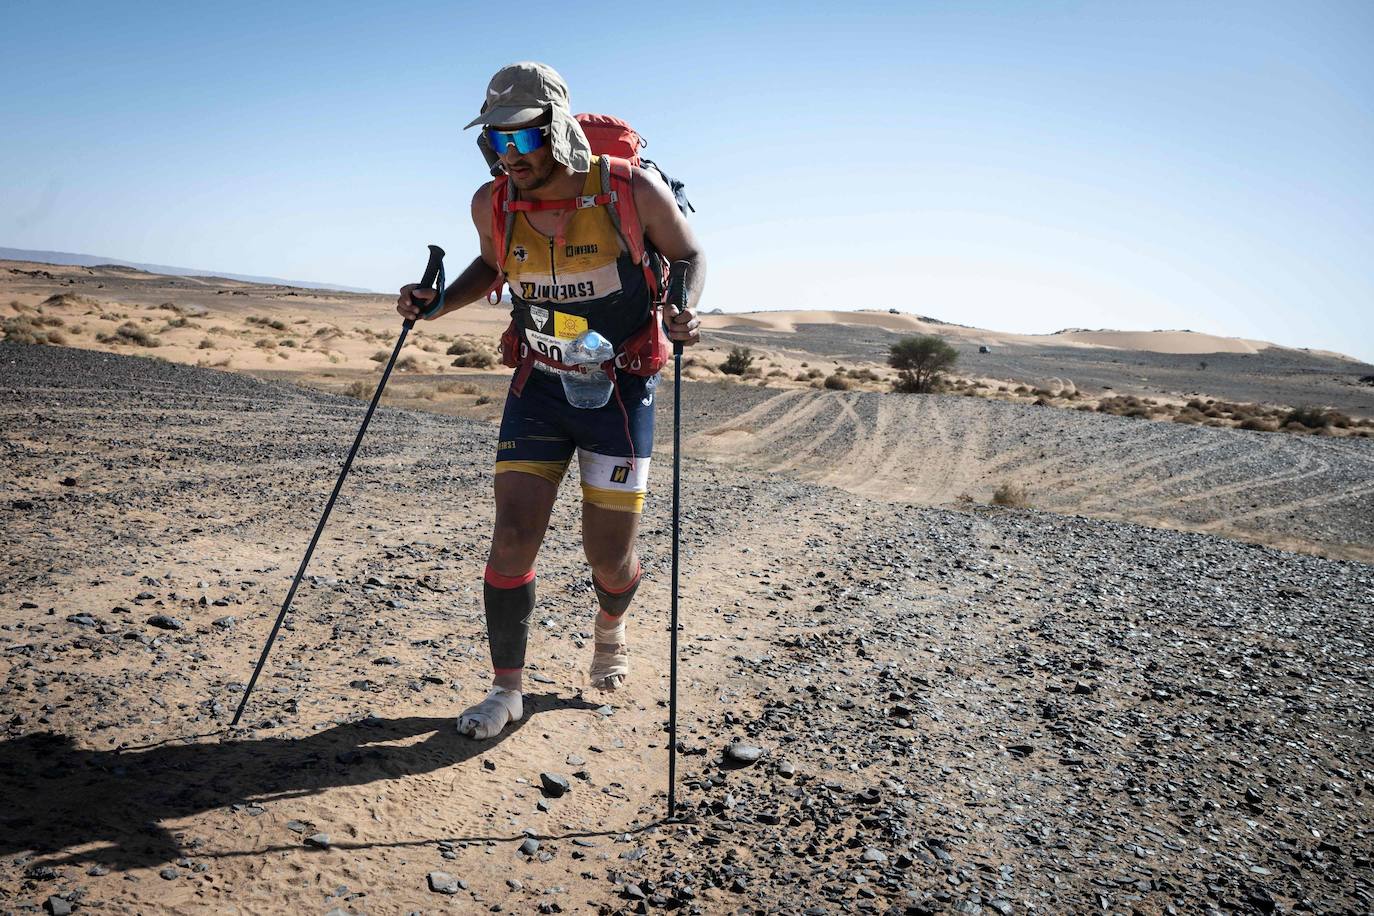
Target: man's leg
<point>524,502</point>
<point>531,458</point>
<point>608,537</point>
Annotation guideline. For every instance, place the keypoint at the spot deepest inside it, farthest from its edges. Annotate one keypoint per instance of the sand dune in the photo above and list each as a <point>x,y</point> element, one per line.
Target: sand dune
<point>1149,341</point>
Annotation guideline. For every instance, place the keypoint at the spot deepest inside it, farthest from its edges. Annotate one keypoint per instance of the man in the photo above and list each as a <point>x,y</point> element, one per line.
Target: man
<point>569,272</point>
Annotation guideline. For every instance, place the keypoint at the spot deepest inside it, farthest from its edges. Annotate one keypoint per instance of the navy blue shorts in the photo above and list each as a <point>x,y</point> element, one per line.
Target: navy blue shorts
<point>540,431</point>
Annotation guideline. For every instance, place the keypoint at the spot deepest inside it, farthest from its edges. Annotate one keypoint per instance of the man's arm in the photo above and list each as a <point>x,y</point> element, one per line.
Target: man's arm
<point>667,229</point>
<point>475,280</point>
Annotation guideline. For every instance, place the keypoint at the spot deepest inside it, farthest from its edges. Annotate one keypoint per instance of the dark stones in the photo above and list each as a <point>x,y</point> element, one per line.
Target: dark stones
<point>554,785</point>
<point>164,622</point>
<point>741,754</point>
<point>441,882</point>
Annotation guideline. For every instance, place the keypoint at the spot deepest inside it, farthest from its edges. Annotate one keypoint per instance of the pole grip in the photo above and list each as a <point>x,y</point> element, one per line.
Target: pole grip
<point>678,276</point>
<point>433,270</point>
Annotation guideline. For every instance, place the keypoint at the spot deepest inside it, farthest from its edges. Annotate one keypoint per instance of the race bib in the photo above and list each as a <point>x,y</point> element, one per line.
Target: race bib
<point>549,332</point>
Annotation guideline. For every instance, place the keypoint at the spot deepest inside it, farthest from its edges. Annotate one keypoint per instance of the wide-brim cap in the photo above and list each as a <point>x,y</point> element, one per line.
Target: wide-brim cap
<point>527,90</point>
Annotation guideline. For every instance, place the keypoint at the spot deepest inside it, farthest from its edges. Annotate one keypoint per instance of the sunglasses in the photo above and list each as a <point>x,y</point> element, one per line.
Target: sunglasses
<point>525,140</point>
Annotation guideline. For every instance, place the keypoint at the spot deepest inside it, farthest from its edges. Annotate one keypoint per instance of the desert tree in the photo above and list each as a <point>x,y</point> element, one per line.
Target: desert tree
<point>919,361</point>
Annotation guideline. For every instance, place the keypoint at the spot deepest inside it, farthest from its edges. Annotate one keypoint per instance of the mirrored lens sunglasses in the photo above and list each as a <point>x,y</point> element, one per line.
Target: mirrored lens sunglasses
<point>525,140</point>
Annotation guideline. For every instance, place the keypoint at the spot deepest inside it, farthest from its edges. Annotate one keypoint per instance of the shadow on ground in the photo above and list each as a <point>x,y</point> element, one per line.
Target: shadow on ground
<point>61,798</point>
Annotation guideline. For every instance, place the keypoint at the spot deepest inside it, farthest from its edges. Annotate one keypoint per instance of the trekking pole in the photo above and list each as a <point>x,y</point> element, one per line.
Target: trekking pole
<point>677,296</point>
<point>433,270</point>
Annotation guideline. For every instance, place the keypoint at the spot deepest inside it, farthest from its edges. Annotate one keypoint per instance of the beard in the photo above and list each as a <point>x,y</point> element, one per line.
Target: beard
<point>536,177</point>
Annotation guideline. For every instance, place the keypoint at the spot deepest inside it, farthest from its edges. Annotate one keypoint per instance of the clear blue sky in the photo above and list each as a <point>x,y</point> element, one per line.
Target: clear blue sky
<point>1018,166</point>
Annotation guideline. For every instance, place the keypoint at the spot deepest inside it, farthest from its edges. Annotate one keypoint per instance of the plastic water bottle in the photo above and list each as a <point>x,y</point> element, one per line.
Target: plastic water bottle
<point>589,388</point>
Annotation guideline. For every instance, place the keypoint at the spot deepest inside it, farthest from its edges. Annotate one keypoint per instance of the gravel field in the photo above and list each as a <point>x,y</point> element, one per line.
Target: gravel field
<point>885,707</point>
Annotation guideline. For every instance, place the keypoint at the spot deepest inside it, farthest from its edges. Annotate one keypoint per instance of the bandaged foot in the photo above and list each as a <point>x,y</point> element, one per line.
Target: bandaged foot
<point>611,658</point>
<point>487,718</point>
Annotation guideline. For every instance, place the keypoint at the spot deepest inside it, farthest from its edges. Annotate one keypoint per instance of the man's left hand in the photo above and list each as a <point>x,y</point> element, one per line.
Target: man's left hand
<point>683,326</point>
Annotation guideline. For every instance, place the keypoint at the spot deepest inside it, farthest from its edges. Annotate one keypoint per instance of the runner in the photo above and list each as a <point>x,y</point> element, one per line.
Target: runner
<point>570,272</point>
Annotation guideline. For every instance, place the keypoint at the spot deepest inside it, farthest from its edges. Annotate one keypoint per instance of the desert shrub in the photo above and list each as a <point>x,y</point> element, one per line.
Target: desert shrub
<point>174,324</point>
<point>21,330</point>
<point>482,399</point>
<point>1309,417</point>
<point>170,307</point>
<point>56,338</point>
<point>838,382</point>
<point>813,372</point>
<point>738,362</point>
<point>919,362</point>
<point>360,390</point>
<point>265,343</point>
<point>475,359</point>
<point>864,375</point>
<point>777,373</point>
<point>1367,380</point>
<point>1263,425</point>
<point>407,364</point>
<point>132,333</point>
<point>288,342</point>
<point>380,356</point>
<point>50,321</point>
<point>459,347</point>
<point>205,344</point>
<point>272,323</point>
<point>1009,494</point>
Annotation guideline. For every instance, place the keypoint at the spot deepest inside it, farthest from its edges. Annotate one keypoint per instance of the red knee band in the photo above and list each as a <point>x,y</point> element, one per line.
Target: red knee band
<point>639,571</point>
<point>498,580</point>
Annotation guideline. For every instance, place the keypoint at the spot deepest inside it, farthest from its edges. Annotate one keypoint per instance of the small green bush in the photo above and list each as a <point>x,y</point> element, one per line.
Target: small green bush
<point>475,359</point>
<point>132,333</point>
<point>738,362</point>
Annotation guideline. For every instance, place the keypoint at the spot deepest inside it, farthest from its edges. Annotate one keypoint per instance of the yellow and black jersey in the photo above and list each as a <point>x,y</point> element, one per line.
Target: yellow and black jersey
<point>587,280</point>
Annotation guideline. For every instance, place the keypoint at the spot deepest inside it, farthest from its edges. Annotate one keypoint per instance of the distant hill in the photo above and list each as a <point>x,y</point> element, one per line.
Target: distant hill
<point>86,260</point>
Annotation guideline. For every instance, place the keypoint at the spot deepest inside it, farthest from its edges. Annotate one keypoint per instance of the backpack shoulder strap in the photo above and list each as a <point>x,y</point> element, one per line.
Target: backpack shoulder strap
<point>502,229</point>
<point>617,180</point>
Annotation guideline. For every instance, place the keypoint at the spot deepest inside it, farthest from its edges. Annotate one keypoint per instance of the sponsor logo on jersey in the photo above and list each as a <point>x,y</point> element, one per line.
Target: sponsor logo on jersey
<point>572,251</point>
<point>540,316</point>
<point>520,253</point>
<point>555,291</point>
<point>505,444</point>
<point>620,473</point>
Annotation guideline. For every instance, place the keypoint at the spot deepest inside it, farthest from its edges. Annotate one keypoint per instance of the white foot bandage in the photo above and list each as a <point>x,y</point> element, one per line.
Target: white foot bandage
<point>487,718</point>
<point>611,658</point>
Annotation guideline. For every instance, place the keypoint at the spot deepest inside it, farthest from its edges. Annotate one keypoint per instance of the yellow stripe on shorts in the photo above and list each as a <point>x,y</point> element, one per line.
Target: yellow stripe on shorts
<point>616,500</point>
<point>552,471</point>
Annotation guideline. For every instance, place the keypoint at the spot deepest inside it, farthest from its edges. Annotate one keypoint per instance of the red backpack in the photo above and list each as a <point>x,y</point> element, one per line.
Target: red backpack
<point>617,144</point>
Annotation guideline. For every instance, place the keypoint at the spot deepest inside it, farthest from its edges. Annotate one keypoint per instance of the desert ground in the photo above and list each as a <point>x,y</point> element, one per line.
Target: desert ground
<point>1143,687</point>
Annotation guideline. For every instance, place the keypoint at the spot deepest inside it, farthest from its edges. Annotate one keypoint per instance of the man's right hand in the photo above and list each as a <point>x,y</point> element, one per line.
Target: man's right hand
<point>413,301</point>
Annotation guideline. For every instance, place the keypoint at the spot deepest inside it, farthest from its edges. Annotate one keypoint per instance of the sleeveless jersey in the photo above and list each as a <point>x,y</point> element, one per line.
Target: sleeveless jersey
<point>588,282</point>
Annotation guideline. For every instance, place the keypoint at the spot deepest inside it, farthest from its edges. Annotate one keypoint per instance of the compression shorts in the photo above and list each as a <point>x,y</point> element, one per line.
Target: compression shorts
<point>540,431</point>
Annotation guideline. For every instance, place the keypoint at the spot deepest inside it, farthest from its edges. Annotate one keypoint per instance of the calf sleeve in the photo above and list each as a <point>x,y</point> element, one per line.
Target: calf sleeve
<point>509,601</point>
<point>615,603</point>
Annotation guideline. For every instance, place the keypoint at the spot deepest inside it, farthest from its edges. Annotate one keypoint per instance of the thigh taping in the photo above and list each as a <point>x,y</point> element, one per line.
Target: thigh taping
<point>612,482</point>
<point>509,602</point>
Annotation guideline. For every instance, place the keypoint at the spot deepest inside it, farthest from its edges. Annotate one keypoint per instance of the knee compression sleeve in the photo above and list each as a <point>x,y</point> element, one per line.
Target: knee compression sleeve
<point>614,603</point>
<point>509,601</point>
